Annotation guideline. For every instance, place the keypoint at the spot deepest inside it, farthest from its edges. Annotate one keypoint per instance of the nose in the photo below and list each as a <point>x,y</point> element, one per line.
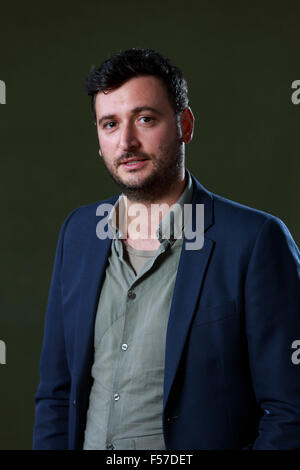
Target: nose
<point>128,138</point>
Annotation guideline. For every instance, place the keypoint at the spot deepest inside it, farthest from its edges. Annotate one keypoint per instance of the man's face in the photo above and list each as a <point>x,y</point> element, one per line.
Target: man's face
<point>139,138</point>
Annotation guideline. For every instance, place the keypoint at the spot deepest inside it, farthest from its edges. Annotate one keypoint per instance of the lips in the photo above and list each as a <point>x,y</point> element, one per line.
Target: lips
<point>131,160</point>
<point>134,163</point>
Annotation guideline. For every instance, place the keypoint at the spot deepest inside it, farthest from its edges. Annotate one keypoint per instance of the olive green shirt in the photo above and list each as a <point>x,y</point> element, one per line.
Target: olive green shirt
<point>126,399</point>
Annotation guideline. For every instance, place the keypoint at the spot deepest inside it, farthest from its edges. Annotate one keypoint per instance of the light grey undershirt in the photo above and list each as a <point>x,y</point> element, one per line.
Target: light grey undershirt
<point>136,258</point>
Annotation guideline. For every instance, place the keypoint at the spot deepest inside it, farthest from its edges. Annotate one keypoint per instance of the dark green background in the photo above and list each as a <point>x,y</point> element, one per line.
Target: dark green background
<point>239,59</point>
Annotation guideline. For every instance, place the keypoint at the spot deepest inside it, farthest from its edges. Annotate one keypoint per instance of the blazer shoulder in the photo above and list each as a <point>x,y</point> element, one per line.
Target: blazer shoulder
<point>82,219</point>
<point>237,218</point>
<point>247,222</point>
<point>227,211</point>
<point>239,211</point>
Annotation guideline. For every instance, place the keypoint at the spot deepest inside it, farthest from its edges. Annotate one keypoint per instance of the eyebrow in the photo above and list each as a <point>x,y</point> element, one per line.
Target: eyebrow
<point>136,110</point>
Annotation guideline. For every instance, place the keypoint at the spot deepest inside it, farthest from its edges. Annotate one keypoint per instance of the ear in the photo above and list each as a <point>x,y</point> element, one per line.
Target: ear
<point>100,153</point>
<point>187,125</point>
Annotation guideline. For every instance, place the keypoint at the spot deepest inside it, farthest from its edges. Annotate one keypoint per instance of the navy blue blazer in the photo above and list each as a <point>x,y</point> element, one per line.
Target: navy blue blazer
<point>230,382</point>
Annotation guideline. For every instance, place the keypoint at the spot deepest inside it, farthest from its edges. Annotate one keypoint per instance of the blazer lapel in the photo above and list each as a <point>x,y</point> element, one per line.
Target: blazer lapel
<point>93,272</point>
<point>190,275</point>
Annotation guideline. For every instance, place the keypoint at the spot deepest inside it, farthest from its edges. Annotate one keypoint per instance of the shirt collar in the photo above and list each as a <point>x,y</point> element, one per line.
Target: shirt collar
<point>172,224</point>
<point>116,217</point>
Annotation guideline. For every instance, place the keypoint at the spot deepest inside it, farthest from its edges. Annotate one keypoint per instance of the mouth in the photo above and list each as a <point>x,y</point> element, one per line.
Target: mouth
<point>133,163</point>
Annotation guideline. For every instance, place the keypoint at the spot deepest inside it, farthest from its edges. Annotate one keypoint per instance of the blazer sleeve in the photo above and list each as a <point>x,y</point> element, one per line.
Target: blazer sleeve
<point>272,321</point>
<point>52,396</point>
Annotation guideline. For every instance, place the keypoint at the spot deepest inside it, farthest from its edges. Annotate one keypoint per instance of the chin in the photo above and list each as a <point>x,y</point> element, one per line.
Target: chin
<point>136,178</point>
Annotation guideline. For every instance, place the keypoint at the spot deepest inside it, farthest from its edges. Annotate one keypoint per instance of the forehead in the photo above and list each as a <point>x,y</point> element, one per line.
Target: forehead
<point>138,91</point>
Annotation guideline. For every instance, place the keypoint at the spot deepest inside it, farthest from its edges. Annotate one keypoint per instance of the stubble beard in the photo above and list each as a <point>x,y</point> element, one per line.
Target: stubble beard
<point>163,178</point>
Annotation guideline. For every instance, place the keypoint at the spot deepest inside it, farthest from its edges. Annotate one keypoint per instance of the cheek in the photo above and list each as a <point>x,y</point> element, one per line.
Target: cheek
<point>106,144</point>
<point>160,137</point>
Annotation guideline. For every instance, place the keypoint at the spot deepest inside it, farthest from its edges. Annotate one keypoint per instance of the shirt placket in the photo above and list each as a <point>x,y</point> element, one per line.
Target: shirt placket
<point>133,281</point>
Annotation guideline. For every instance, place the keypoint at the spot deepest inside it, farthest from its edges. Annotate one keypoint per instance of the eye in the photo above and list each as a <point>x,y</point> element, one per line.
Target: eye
<point>148,119</point>
<point>107,126</point>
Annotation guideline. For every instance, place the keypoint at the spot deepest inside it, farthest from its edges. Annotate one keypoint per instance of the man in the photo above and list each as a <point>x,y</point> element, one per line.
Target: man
<point>151,342</point>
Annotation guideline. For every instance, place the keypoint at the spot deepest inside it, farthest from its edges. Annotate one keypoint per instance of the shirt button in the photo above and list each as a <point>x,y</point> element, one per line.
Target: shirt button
<point>131,294</point>
<point>116,396</point>
<point>74,402</point>
<point>124,346</point>
<point>109,446</point>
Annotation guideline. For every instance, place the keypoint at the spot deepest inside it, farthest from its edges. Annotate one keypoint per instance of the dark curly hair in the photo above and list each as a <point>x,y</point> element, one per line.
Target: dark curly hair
<point>131,63</point>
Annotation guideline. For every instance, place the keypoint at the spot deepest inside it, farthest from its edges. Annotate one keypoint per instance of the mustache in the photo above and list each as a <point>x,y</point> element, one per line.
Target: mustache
<point>127,155</point>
